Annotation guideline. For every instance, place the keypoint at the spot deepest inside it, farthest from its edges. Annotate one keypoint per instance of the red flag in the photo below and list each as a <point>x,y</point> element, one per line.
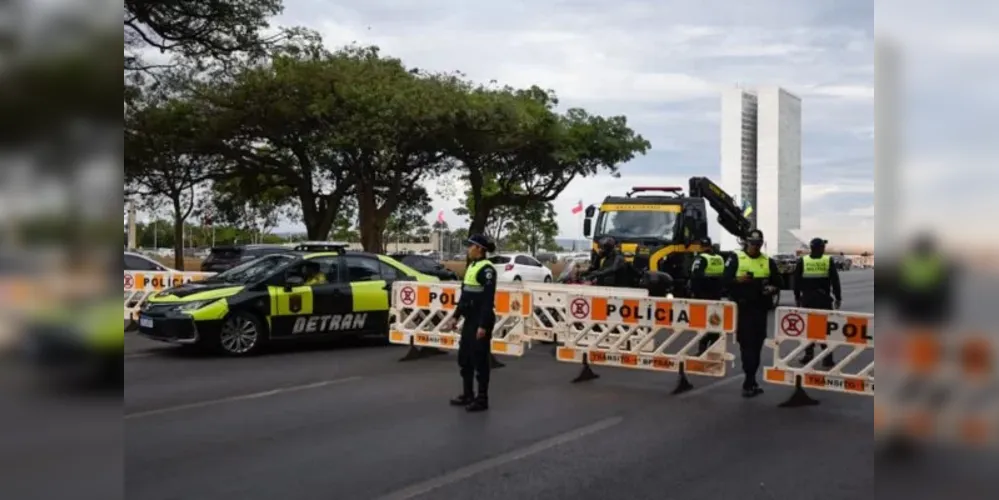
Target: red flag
<point>440,217</point>
<point>578,208</point>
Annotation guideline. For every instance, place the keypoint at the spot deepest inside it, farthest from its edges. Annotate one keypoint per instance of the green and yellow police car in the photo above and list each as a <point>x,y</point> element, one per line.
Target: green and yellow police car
<point>313,291</point>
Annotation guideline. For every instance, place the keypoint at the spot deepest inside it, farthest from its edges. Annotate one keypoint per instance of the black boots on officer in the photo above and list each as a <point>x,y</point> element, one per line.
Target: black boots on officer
<point>474,360</point>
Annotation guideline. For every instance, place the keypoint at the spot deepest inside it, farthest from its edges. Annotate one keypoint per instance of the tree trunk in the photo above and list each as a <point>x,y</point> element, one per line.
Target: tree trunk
<point>178,235</point>
<point>371,225</point>
<point>480,219</point>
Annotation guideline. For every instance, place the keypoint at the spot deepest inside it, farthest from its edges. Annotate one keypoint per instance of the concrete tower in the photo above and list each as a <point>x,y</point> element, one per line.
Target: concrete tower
<point>761,161</point>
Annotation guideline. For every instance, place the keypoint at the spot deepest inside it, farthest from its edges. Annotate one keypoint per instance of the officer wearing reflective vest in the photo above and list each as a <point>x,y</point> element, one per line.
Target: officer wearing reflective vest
<point>478,292</point>
<point>923,288</point>
<point>706,275</point>
<point>751,280</point>
<point>817,286</point>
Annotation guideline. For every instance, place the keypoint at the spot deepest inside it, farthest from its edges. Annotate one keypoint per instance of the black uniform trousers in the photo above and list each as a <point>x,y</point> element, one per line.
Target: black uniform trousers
<point>822,305</point>
<point>473,359</point>
<point>751,333</point>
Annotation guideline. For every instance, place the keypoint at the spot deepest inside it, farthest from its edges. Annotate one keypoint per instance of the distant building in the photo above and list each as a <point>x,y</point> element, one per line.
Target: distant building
<point>761,161</point>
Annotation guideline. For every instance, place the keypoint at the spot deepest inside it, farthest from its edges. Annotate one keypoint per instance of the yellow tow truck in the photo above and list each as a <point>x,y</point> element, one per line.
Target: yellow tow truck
<point>658,229</point>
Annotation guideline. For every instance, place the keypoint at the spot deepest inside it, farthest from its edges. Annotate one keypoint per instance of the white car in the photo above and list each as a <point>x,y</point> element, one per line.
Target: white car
<point>520,267</point>
<point>138,262</point>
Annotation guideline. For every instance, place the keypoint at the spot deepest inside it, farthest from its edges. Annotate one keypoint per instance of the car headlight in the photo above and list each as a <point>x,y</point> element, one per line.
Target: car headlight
<point>197,304</point>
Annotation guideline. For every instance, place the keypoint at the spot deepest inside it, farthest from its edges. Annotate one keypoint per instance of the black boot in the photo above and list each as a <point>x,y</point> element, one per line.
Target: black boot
<point>829,362</point>
<point>463,400</point>
<point>809,356</point>
<point>751,390</point>
<point>480,404</point>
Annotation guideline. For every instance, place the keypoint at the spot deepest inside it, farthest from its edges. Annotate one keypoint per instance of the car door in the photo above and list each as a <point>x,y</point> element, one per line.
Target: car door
<point>539,269</point>
<point>524,269</point>
<point>298,311</point>
<point>369,292</point>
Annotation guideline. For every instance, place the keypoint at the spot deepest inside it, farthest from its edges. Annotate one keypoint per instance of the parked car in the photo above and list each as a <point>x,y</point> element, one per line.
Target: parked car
<point>520,267</point>
<point>426,265</point>
<point>842,262</point>
<point>138,262</point>
<point>226,257</point>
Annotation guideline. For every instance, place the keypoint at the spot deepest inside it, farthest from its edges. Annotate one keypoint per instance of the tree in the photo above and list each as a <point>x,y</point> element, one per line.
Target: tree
<point>409,222</point>
<point>517,151</point>
<point>535,229</point>
<point>163,158</point>
<point>393,134</point>
<point>196,29</point>
<point>253,204</point>
<point>279,120</point>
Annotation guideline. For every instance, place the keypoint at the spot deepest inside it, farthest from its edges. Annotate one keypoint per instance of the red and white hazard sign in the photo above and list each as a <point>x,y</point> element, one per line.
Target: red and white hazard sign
<point>408,296</point>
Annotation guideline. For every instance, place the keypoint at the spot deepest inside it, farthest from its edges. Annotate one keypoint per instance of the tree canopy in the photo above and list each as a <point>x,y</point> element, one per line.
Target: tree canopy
<point>351,134</point>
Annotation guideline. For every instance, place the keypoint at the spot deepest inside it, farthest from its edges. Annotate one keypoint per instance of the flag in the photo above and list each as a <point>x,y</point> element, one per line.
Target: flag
<point>747,209</point>
<point>440,217</point>
<point>578,208</point>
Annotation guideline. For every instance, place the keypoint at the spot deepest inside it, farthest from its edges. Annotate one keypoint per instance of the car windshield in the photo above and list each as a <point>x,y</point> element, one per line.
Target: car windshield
<point>254,270</point>
<point>637,224</point>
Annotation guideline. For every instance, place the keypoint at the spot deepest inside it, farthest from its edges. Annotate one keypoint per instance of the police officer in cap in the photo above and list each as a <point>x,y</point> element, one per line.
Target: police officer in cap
<point>610,268</point>
<point>751,280</point>
<point>478,292</point>
<point>816,286</point>
<point>706,283</point>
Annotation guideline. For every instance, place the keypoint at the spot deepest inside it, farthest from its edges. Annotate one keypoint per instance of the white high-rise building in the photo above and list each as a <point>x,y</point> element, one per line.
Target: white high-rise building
<point>761,161</point>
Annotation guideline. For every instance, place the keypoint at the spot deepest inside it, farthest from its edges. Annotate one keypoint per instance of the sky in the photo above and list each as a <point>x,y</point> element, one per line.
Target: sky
<point>661,63</point>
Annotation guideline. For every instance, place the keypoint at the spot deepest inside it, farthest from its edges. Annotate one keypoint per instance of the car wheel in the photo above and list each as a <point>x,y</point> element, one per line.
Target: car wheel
<point>548,279</point>
<point>517,278</point>
<point>242,334</point>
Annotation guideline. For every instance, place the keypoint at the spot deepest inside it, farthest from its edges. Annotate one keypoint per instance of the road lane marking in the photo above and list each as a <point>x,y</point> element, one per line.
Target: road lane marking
<point>463,473</point>
<point>244,397</point>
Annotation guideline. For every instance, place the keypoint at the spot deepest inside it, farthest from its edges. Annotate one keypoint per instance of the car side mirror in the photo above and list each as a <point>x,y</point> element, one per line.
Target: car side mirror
<point>587,227</point>
<point>293,281</point>
<point>590,210</point>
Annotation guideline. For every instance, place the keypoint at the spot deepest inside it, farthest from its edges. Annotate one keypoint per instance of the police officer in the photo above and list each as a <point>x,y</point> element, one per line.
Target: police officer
<point>751,280</point>
<point>816,286</point>
<point>610,268</point>
<point>478,292</point>
<point>923,288</point>
<point>706,275</point>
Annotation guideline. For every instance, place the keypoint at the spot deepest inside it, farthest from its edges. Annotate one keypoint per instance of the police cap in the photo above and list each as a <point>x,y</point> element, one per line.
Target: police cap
<point>755,236</point>
<point>818,243</point>
<point>706,241</point>
<point>483,241</point>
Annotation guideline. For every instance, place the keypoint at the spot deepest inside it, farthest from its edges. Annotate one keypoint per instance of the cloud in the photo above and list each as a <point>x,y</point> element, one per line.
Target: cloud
<point>659,62</point>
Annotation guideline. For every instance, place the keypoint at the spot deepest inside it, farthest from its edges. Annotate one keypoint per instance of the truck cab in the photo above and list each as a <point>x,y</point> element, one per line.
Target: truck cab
<point>655,232</point>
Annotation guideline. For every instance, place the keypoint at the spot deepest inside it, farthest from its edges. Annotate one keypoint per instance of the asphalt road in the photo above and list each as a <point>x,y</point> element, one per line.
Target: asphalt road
<point>351,422</point>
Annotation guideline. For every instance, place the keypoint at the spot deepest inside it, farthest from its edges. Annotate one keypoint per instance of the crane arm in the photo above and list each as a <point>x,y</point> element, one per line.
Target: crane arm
<point>729,213</point>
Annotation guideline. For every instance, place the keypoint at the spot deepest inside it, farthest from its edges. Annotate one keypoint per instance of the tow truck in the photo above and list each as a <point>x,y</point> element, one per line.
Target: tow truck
<point>658,229</point>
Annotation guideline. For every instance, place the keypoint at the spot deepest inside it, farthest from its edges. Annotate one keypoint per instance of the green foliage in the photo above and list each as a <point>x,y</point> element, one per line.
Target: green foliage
<point>517,151</point>
<point>196,29</point>
<point>535,229</point>
<point>346,140</point>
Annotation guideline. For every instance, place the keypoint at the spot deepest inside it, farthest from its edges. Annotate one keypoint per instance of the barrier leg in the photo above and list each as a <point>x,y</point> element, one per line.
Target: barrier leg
<point>799,397</point>
<point>555,347</point>
<point>683,385</point>
<point>587,373</point>
<point>414,352</point>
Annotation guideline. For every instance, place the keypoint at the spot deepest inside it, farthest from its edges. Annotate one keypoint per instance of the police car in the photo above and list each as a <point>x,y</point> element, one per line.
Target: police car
<point>313,291</point>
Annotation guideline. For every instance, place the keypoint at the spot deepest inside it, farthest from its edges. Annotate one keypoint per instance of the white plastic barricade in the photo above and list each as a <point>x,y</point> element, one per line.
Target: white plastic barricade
<point>837,330</point>
<point>650,335</point>
<point>920,367</point>
<point>549,320</point>
<point>140,285</point>
<point>420,311</point>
